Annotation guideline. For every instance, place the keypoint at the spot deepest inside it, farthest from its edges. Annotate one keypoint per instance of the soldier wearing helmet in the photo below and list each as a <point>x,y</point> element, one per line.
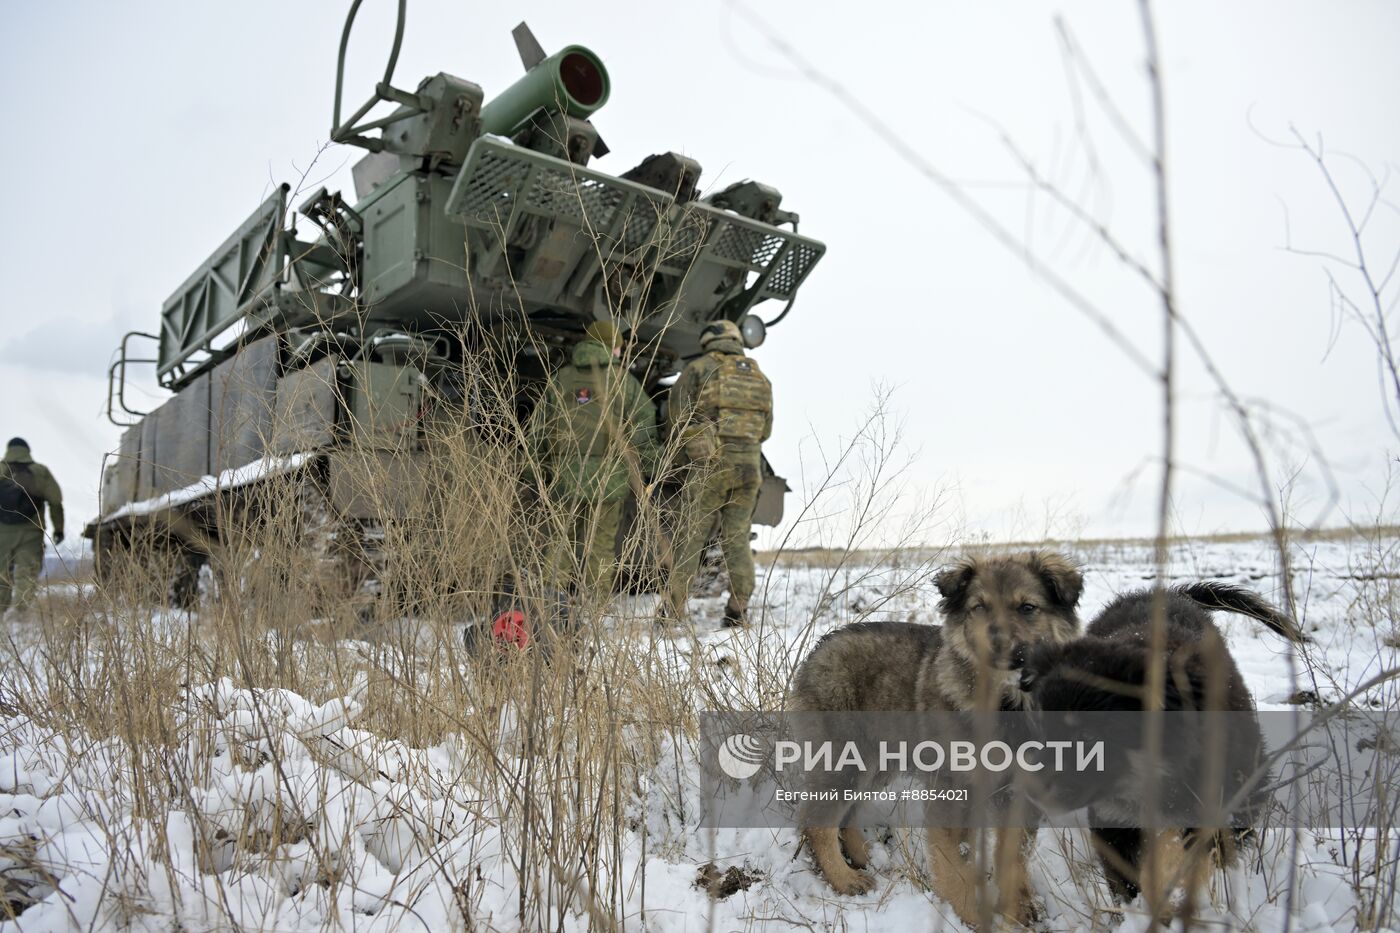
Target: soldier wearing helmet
<point>26,488</point>
<point>720,412</point>
<point>594,424</point>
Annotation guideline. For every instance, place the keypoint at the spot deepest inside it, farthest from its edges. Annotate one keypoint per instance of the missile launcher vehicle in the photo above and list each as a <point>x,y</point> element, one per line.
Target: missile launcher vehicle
<point>481,241</point>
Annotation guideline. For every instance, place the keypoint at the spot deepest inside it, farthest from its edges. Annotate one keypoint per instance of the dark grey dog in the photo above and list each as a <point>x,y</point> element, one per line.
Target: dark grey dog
<point>1107,671</point>
<point>995,610</point>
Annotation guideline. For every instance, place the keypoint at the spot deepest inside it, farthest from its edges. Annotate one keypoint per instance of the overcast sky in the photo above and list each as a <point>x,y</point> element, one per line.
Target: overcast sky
<point>138,135</point>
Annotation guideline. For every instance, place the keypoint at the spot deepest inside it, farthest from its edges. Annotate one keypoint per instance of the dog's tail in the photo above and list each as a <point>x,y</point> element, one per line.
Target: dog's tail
<point>1233,598</point>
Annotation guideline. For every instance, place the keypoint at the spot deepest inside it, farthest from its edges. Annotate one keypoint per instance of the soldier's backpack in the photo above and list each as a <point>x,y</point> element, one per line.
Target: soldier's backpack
<point>19,495</point>
<point>736,398</point>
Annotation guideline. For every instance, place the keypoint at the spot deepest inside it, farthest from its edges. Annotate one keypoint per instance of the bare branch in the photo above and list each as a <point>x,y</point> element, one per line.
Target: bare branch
<point>950,188</point>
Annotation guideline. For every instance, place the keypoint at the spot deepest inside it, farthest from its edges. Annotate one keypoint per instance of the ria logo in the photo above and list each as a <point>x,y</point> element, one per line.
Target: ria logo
<point>741,755</point>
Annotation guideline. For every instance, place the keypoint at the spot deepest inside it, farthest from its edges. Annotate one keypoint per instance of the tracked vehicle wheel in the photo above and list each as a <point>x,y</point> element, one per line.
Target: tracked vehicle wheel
<point>149,564</point>
<point>284,548</point>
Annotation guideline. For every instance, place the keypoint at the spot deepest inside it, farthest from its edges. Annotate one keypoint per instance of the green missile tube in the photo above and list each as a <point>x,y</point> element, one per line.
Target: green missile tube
<point>572,80</point>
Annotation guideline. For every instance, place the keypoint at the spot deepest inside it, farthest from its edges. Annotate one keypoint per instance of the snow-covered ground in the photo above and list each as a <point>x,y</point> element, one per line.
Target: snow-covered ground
<point>375,834</point>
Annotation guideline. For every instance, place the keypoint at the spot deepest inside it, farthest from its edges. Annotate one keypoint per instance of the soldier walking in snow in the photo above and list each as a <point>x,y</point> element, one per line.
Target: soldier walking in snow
<point>25,488</point>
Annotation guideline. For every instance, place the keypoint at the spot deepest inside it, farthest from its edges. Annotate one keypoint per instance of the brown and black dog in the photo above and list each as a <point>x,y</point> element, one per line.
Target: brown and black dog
<point>995,610</point>
<point>1107,671</point>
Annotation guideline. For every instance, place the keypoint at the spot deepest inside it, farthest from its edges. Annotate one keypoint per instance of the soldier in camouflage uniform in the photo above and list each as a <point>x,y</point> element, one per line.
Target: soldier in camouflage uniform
<point>594,426</point>
<point>720,412</point>
<point>25,488</point>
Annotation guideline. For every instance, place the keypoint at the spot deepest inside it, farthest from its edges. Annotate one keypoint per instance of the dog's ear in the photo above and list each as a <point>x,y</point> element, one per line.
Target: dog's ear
<point>1031,673</point>
<point>1061,577</point>
<point>952,584</point>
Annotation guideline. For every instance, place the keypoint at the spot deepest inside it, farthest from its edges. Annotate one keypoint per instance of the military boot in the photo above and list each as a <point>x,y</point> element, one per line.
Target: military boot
<point>735,615</point>
<point>667,615</point>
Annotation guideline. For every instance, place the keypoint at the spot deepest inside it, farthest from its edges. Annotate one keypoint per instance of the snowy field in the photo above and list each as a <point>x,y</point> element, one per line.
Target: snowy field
<point>287,811</point>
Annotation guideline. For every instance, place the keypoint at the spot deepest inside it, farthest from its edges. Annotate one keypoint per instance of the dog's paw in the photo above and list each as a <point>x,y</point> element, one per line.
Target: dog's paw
<point>851,882</point>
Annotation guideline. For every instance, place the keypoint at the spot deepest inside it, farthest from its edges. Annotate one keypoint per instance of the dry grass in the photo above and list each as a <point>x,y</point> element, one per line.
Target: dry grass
<point>552,749</point>
<point>829,557</point>
<point>292,599</point>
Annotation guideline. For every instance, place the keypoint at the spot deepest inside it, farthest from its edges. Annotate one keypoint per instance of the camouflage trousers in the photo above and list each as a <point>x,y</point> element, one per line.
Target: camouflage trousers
<point>21,557</point>
<point>584,553</point>
<point>722,490</point>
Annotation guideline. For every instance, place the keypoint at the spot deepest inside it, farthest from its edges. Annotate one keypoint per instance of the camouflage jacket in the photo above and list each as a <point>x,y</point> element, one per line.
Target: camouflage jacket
<point>593,424</point>
<point>699,406</point>
<point>44,483</point>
